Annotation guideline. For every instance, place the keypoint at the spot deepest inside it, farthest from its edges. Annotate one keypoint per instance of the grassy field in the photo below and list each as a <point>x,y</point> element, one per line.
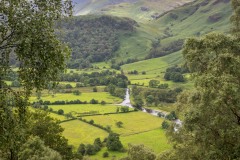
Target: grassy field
<point>100,96</point>
<point>78,132</point>
<point>155,69</point>
<point>135,122</point>
<point>155,140</point>
<point>81,108</point>
<point>58,117</point>
<point>155,65</point>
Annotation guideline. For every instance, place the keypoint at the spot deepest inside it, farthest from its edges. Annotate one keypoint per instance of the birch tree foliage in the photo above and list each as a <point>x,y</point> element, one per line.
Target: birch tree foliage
<point>26,30</point>
<point>211,112</point>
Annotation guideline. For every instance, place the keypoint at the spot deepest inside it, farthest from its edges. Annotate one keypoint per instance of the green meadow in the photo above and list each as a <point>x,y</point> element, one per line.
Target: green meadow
<point>85,96</point>
<point>155,65</point>
<point>134,122</point>
<point>82,108</point>
<point>56,116</point>
<point>78,132</point>
<point>156,140</point>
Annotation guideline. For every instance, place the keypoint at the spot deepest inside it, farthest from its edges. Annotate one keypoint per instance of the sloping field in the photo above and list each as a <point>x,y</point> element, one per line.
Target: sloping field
<point>156,140</point>
<point>83,108</point>
<point>78,132</point>
<point>100,96</point>
<point>135,122</point>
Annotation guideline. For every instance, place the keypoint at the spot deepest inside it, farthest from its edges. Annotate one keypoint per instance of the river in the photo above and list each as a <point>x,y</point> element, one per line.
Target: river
<point>127,102</point>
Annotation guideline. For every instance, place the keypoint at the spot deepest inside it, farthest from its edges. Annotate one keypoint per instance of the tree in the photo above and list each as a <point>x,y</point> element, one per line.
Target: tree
<point>138,101</point>
<point>27,32</point>
<point>165,125</point>
<point>177,77</point>
<point>124,109</point>
<point>140,152</point>
<point>45,107</point>
<point>35,149</point>
<point>211,124</point>
<point>68,86</point>
<point>105,154</point>
<point>93,101</point>
<point>76,92</point>
<point>153,83</point>
<point>119,124</point>
<point>113,142</point>
<point>98,142</point>
<point>150,99</point>
<point>91,121</point>
<point>15,84</point>
<point>90,149</point>
<point>95,89</point>
<point>171,116</point>
<point>81,149</point>
<point>60,112</point>
<point>48,129</point>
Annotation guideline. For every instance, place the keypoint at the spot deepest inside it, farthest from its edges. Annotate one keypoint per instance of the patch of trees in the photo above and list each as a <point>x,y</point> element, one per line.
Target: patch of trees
<point>112,142</point>
<point>59,102</point>
<point>216,93</point>
<point>165,125</point>
<point>172,47</point>
<point>153,97</point>
<point>156,84</point>
<point>158,96</point>
<point>139,152</point>
<point>90,149</point>
<point>93,38</point>
<point>115,91</point>
<point>39,122</point>
<point>104,78</point>
<point>133,72</point>
<point>175,74</point>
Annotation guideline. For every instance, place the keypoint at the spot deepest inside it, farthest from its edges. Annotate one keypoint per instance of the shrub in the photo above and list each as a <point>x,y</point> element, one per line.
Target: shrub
<point>60,112</point>
<point>93,101</point>
<point>68,86</point>
<point>76,92</point>
<point>91,121</point>
<point>165,125</point>
<point>105,154</point>
<point>15,84</point>
<point>119,124</point>
<point>103,102</point>
<point>124,109</point>
<point>81,149</point>
<point>94,89</point>
<point>171,116</point>
<point>90,149</point>
<point>45,107</point>
<point>113,142</point>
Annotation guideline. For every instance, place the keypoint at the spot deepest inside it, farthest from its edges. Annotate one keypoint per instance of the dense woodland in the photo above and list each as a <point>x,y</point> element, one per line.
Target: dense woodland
<point>93,38</point>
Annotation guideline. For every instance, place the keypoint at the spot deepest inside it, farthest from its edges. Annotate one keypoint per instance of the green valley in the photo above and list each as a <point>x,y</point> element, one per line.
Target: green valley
<point>119,79</point>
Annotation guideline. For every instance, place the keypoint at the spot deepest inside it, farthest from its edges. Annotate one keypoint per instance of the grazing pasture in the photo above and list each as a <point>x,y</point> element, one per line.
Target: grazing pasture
<point>83,108</point>
<point>100,96</point>
<point>78,132</point>
<point>134,122</point>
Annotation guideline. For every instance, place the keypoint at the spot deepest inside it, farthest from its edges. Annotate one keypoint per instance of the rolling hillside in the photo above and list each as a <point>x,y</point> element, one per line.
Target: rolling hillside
<point>136,9</point>
<point>153,36</point>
